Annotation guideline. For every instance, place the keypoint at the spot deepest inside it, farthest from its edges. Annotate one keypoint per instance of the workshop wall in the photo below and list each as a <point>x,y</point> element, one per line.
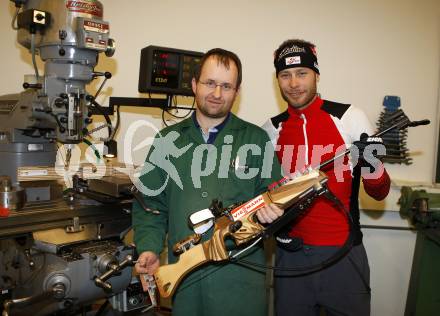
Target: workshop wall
<point>366,50</point>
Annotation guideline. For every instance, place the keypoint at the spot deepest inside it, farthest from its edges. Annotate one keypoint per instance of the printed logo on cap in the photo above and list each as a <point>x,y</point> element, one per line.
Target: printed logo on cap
<point>294,60</point>
<point>291,50</point>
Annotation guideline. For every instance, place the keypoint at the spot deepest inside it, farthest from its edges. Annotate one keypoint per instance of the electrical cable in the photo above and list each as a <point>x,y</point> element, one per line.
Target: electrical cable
<point>14,19</point>
<point>34,63</point>
<point>245,249</point>
<point>167,110</point>
<point>184,116</point>
<point>118,120</point>
<point>163,118</point>
<point>95,150</point>
<point>107,119</point>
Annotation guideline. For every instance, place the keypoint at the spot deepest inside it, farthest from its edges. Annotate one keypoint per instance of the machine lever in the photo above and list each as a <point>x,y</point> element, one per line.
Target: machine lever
<point>113,270</point>
<point>107,75</point>
<point>138,196</point>
<point>58,291</point>
<point>28,85</point>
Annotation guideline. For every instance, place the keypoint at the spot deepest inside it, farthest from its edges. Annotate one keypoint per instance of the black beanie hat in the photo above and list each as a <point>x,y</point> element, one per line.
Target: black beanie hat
<point>296,55</point>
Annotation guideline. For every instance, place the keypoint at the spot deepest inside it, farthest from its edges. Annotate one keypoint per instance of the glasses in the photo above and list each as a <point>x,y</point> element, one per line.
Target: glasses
<point>211,84</point>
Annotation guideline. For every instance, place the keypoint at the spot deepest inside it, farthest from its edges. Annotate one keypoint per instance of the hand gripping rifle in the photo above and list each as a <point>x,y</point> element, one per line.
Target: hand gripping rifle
<point>241,224</point>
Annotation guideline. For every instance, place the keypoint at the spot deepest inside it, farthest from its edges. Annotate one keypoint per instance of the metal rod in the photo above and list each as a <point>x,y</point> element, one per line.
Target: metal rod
<point>378,134</point>
<point>388,227</point>
<point>161,103</point>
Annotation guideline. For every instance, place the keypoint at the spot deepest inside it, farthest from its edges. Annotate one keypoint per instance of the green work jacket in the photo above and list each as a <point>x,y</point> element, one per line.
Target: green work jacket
<point>238,166</point>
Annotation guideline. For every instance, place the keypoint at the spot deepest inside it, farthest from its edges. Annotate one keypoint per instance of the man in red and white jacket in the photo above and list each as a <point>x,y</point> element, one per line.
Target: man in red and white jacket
<point>311,131</point>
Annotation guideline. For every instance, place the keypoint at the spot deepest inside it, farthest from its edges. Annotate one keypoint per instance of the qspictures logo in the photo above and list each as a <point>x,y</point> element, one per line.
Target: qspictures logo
<point>182,162</point>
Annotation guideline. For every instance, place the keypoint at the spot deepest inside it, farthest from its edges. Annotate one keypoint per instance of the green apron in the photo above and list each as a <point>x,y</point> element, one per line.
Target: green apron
<point>217,288</point>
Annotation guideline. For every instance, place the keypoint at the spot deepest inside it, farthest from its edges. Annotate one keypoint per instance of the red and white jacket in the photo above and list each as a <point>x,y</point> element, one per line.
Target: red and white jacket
<point>310,136</point>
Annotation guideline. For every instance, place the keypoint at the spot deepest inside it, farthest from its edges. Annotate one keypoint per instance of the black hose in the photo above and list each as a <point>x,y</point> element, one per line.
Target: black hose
<point>302,270</point>
<point>106,117</point>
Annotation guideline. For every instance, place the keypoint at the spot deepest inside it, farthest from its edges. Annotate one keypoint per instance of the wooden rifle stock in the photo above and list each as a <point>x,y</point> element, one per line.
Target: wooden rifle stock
<point>168,277</point>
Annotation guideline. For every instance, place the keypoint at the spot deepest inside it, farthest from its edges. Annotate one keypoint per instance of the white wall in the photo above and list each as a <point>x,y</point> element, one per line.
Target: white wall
<point>366,50</point>
<point>390,254</point>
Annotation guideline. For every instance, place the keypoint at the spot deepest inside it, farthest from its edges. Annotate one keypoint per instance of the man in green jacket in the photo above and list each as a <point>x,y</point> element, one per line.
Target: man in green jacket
<point>212,155</point>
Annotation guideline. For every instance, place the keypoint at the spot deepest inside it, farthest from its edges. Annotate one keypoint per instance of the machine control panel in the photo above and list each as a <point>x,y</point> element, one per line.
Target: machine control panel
<point>93,34</point>
<point>167,70</point>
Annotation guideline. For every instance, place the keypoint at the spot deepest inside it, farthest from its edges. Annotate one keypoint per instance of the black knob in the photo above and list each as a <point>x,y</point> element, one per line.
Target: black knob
<point>40,17</point>
<point>59,103</point>
<point>235,226</point>
<point>89,97</point>
<point>107,75</point>
<point>63,120</point>
<point>88,120</point>
<point>62,51</point>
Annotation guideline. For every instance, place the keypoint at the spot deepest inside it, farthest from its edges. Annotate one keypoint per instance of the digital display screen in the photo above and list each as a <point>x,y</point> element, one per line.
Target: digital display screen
<point>167,70</point>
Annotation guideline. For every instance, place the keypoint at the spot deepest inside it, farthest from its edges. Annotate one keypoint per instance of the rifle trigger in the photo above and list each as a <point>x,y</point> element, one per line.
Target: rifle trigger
<point>235,226</point>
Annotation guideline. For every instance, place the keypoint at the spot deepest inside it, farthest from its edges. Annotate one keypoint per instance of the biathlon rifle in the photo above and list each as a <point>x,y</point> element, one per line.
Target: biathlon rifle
<point>240,223</point>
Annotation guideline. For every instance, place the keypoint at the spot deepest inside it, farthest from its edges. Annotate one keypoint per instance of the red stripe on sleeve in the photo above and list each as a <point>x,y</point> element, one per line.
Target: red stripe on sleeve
<point>378,188</point>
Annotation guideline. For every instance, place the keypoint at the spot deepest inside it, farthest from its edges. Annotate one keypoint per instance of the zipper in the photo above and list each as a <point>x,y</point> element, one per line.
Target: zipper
<point>306,140</point>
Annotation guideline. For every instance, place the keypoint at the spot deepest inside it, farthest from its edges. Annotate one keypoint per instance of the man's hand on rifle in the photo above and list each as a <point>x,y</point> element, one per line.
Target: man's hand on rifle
<point>269,213</point>
<point>148,262</point>
<point>370,150</point>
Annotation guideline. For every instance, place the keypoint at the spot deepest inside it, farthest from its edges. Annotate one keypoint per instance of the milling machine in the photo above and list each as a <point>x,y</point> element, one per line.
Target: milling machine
<point>60,251</point>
